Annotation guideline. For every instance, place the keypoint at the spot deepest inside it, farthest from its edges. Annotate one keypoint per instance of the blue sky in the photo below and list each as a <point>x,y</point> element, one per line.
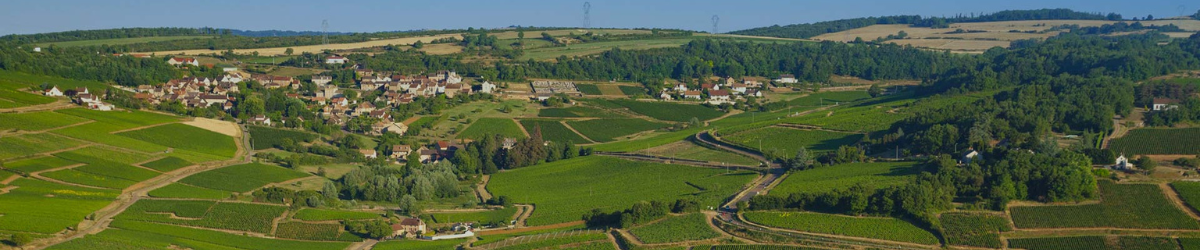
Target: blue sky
<point>37,16</point>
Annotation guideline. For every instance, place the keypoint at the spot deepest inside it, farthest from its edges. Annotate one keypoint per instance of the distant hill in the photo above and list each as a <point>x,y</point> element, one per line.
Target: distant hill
<point>809,30</point>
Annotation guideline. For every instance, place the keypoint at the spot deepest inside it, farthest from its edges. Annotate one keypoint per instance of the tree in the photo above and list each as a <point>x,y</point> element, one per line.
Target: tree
<point>800,161</point>
<point>350,94</point>
<point>21,239</point>
<point>330,191</point>
<point>418,44</point>
<point>1145,163</point>
<point>875,90</point>
<point>288,51</point>
<point>410,205</point>
<point>414,161</point>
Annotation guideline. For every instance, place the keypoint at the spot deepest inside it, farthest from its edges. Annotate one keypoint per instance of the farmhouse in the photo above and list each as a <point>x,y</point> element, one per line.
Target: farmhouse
<point>409,226</point>
<point>180,61</point>
<point>718,97</point>
<point>691,95</point>
<point>400,151</point>
<point>396,128</point>
<point>368,153</point>
<point>335,60</point>
<point>53,91</point>
<point>487,87</point>
<point>261,119</point>
<point>1164,104</point>
<point>786,78</point>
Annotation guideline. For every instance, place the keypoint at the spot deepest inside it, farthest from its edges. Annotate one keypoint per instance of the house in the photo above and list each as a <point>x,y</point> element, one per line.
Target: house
<point>427,155</point>
<point>231,78</point>
<point>81,90</point>
<point>368,153</point>
<point>543,96</point>
<point>508,143</point>
<point>445,145</point>
<point>100,106</point>
<point>681,87</point>
<point>180,61</point>
<point>787,78</point>
<point>754,93</point>
<point>396,128</point>
<point>400,151</point>
<point>970,156</point>
<point>329,92</point>
<point>1163,104</point>
<point>738,88</point>
<point>664,96</point>
<point>53,91</point>
<point>487,87</point>
<point>86,98</point>
<point>37,49</point>
<point>340,101</point>
<point>691,94</point>
<point>710,86</point>
<point>322,80</point>
<point>1122,163</point>
<point>717,97</point>
<point>261,119</point>
<point>335,60</point>
<point>410,226</point>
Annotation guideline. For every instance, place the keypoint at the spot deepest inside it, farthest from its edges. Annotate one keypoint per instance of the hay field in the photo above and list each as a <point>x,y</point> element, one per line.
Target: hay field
<point>441,49</point>
<point>999,31</point>
<point>317,48</point>
<point>537,34</point>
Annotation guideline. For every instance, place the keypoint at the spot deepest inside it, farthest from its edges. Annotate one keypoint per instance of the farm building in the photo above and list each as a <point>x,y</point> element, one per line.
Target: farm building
<point>970,156</point>
<point>409,226</point>
<point>487,87</point>
<point>1163,104</point>
<point>786,78</point>
<point>368,153</point>
<point>53,91</point>
<point>261,119</point>
<point>335,60</point>
<point>400,151</point>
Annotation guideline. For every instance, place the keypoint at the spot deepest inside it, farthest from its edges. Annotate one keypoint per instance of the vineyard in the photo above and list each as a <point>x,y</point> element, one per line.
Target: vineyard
<point>418,245</point>
<point>843,176</point>
<point>37,120</point>
<point>167,164</point>
<point>786,141</point>
<point>606,130</point>
<point>306,231</point>
<point>1189,192</point>
<point>219,215</point>
<point>541,241</point>
<point>186,137</point>
<point>241,178</point>
<point>588,89</point>
<point>497,217</point>
<point>753,247</point>
<point>143,235</point>
<point>46,207</point>
<point>31,144</point>
<point>179,190</point>
<point>565,190</point>
<point>492,126</point>
<point>266,137</point>
<point>553,130</point>
<point>829,98</point>
<point>1098,243</point>
<point>676,229</point>
<point>328,215</point>
<point>37,164</point>
<point>1121,206</point>
<point>577,111</point>
<point>670,111</point>
<point>1158,141</point>
<point>977,230</point>
<point>884,228</point>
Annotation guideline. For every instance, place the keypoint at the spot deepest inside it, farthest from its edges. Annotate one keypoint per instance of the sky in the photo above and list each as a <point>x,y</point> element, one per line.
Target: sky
<point>39,16</point>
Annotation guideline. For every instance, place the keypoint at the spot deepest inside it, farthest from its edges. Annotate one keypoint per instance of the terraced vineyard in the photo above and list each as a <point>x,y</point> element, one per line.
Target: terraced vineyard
<point>553,130</point>
<point>329,215</point>
<point>208,214</point>
<point>1121,206</point>
<point>669,111</point>
<point>606,130</point>
<point>564,190</point>
<point>498,216</point>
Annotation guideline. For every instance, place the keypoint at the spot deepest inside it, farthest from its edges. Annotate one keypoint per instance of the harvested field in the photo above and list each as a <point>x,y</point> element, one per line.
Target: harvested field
<point>316,48</point>
<point>997,31</point>
<point>214,125</point>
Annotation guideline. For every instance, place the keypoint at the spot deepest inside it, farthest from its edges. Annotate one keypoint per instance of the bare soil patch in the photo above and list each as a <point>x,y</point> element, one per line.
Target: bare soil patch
<point>219,126</point>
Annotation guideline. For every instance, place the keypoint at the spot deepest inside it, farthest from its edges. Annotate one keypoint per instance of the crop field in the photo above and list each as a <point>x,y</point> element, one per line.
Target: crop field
<point>606,130</point>
<point>129,119</point>
<point>307,231</point>
<point>670,111</point>
<point>14,98</point>
<point>418,244</point>
<point>597,245</point>
<point>325,215</point>
<point>108,122</point>
<point>650,141</point>
<point>1097,243</point>
<point>101,153</point>
<point>1189,192</point>
<point>588,89</point>
<point>502,235</point>
<point>842,176</point>
<point>499,215</point>
<point>977,230</point>
<point>178,190</point>
<point>676,229</point>
<point>885,228</point>
<point>116,170</point>
<point>31,144</point>
<point>578,111</point>
<point>167,164</point>
<point>242,178</point>
<point>1121,206</point>
<point>553,130</point>
<point>13,79</point>
<point>46,207</point>
<point>829,98</point>
<point>753,247</point>
<point>492,126</point>
<point>144,235</point>
<point>89,179</point>
<point>787,141</point>
<point>585,49</point>
<point>565,190</point>
<point>1190,243</point>
<point>37,120</point>
<point>1156,141</point>
<point>691,150</point>
<point>632,90</point>
<point>180,136</point>
<point>221,215</point>
<point>279,51</point>
<point>266,137</point>
<point>549,241</point>
<point>122,41</point>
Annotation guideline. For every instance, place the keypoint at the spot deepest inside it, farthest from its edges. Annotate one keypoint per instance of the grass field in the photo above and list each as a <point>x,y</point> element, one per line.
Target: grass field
<point>418,244</point>
<point>1121,206</point>
<point>885,228</point>
<point>676,229</point>
<point>670,111</point>
<point>208,214</point>
<point>787,141</point>
<point>242,178</point>
<point>167,164</point>
<point>584,49</point>
<point>186,137</point>
<point>1097,243</point>
<point>37,120</point>
<point>178,190</point>
<point>842,176</point>
<point>977,230</point>
<point>31,144</point>
<point>38,164</point>
<point>121,41</point>
<point>551,240</point>
<point>606,130</point>
<point>266,137</point>
<point>632,90</point>
<point>565,190</point>
<point>577,111</point>
<point>324,215</point>
<point>691,150</point>
<point>1158,141</point>
<point>492,126</point>
<point>499,216</point>
<point>553,130</point>
<point>46,207</point>
<point>588,89</point>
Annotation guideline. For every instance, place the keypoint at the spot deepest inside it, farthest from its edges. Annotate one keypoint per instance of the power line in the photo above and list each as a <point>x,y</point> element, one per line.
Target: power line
<point>587,15</point>
<point>715,20</point>
<point>325,32</point>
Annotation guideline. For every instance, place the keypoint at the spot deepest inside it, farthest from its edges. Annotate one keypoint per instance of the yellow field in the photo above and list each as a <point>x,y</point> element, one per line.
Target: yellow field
<point>441,49</point>
<point>995,30</point>
<point>537,34</point>
<point>317,48</point>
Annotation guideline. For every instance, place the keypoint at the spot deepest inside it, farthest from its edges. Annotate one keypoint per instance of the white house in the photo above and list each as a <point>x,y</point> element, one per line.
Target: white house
<point>664,96</point>
<point>368,153</point>
<point>335,60</point>
<point>232,78</point>
<point>100,106</point>
<point>53,91</point>
<point>37,49</point>
<point>717,97</point>
<point>738,88</point>
<point>322,80</point>
<point>1122,163</point>
<point>691,95</point>
<point>786,78</point>
<point>681,87</point>
<point>971,156</point>
<point>180,61</point>
<point>401,151</point>
<point>487,87</point>
<point>261,119</point>
<point>1163,104</point>
<point>228,68</point>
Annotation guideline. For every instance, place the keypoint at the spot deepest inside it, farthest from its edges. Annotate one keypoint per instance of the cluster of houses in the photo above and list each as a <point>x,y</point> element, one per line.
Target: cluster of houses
<point>443,150</point>
<point>192,92</point>
<point>727,90</point>
<point>82,97</point>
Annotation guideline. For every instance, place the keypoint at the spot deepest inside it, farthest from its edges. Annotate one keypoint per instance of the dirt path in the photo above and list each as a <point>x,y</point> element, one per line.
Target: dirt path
<point>526,211</point>
<point>628,236</point>
<point>364,245</point>
<point>481,189</point>
<point>613,239</point>
<point>709,216</point>
<point>527,229</point>
<point>103,217</point>
<point>61,103</point>
<point>7,189</point>
<point>1174,197</point>
<point>10,179</point>
<point>23,132</point>
<point>590,141</point>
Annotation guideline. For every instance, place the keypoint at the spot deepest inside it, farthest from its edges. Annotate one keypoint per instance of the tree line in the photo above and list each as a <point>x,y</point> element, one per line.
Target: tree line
<point>819,28</point>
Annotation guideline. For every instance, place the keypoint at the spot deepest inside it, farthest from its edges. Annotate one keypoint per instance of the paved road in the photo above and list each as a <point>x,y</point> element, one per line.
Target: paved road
<point>761,185</point>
